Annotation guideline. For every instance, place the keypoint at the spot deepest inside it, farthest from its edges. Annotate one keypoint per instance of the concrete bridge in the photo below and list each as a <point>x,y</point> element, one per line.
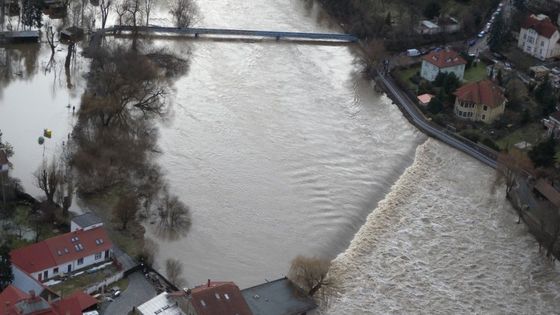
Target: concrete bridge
<point>196,32</point>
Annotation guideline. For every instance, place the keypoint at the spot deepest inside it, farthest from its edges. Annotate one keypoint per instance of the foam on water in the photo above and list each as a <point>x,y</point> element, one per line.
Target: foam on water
<point>443,242</point>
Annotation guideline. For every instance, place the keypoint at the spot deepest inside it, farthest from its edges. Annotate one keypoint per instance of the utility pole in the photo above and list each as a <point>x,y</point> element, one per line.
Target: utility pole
<point>4,166</point>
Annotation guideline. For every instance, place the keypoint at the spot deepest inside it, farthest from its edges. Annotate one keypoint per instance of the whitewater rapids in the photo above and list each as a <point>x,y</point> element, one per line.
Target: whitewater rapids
<point>444,242</point>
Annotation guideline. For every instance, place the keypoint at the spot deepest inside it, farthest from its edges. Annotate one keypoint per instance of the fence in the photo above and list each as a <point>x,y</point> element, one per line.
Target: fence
<point>108,281</point>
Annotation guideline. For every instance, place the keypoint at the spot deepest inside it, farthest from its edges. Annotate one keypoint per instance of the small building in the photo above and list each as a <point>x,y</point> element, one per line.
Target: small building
<point>442,60</point>
<point>426,27</point>
<point>539,72</point>
<point>14,301</point>
<point>279,297</point>
<point>425,99</point>
<point>552,125</point>
<point>215,298</point>
<point>63,254</point>
<point>163,304</point>
<point>86,221</point>
<point>449,24</point>
<point>539,37</point>
<point>72,33</point>
<point>479,101</point>
<point>547,191</point>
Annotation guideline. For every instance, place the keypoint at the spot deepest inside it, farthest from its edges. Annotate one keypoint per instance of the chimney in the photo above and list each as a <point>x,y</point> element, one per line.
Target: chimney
<point>208,282</point>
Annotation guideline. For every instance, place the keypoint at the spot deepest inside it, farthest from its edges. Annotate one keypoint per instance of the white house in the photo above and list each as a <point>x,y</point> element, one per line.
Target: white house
<point>539,37</point>
<point>442,60</point>
<point>552,124</point>
<point>63,253</point>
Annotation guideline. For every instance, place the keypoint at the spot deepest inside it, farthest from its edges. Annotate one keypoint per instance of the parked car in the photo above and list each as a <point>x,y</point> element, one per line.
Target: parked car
<point>413,52</point>
<point>116,293</point>
<point>481,34</point>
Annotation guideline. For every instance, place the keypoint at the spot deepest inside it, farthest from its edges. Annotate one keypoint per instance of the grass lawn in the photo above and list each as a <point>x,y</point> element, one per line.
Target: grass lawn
<point>477,73</point>
<point>520,59</point>
<point>406,74</point>
<point>531,133</point>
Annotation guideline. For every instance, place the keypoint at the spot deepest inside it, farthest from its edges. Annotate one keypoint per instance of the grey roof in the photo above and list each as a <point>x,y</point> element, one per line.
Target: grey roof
<point>87,219</point>
<point>279,297</point>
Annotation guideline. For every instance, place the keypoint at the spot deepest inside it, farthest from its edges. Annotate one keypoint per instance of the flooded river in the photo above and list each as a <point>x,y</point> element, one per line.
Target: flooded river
<point>283,149</point>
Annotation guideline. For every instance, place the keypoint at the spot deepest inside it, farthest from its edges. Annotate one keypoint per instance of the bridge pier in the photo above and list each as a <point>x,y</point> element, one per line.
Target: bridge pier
<point>196,35</point>
<point>277,38</point>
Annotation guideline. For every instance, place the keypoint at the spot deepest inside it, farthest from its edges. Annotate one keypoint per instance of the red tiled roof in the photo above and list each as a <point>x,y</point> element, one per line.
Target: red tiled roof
<point>444,58</point>
<point>12,296</point>
<point>68,307</point>
<point>219,298</point>
<point>60,249</point>
<point>483,92</point>
<point>74,304</point>
<point>543,27</point>
<point>84,300</point>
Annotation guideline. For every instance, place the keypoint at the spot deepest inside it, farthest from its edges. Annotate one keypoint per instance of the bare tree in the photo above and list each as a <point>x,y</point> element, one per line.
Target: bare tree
<point>309,273</point>
<point>511,165</point>
<point>48,178</point>
<point>174,272</point>
<point>148,9</point>
<point>173,213</point>
<point>125,210</point>
<point>125,82</point>
<point>184,12</point>
<point>50,37</point>
<point>105,7</point>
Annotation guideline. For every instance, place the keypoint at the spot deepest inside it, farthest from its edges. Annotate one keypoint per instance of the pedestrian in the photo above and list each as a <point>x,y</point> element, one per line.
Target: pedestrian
<point>73,109</point>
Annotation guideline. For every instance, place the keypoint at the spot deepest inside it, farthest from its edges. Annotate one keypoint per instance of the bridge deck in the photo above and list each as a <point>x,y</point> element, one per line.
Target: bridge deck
<point>235,32</point>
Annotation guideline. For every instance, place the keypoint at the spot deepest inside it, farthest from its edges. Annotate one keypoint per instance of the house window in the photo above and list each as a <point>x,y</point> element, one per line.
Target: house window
<point>80,261</point>
<point>483,117</point>
<point>542,43</point>
<point>524,36</point>
<point>98,256</point>
<point>55,271</point>
<point>485,108</point>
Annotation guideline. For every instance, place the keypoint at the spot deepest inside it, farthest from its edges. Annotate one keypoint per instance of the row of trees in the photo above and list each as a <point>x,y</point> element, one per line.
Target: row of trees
<point>115,140</point>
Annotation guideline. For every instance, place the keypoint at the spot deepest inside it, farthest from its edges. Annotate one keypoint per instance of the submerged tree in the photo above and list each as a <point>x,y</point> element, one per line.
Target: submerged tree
<point>309,273</point>
<point>48,178</point>
<point>174,272</point>
<point>104,7</point>
<point>125,210</point>
<point>184,12</point>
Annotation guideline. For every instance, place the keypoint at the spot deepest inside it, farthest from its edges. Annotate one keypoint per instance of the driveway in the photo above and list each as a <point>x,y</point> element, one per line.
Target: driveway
<point>139,291</point>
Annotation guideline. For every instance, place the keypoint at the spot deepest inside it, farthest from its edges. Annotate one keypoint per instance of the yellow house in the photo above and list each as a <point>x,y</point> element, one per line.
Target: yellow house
<point>480,101</point>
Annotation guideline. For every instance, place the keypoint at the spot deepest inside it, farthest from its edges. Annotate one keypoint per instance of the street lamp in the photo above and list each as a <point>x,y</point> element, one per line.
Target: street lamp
<point>4,166</point>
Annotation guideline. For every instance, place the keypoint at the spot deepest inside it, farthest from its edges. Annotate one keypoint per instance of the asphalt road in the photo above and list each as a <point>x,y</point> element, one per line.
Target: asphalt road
<point>139,291</point>
<point>421,123</point>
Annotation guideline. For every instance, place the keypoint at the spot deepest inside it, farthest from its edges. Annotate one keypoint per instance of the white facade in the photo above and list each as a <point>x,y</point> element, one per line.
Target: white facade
<point>430,71</point>
<point>539,46</point>
<point>71,266</point>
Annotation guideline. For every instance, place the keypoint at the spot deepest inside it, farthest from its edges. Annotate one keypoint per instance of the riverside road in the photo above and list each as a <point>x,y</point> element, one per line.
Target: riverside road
<point>417,118</point>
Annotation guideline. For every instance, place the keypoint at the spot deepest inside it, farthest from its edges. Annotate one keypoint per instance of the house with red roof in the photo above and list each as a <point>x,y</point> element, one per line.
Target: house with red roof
<point>14,301</point>
<point>216,298</point>
<point>479,101</point>
<point>442,60</point>
<point>63,254</point>
<point>539,37</point>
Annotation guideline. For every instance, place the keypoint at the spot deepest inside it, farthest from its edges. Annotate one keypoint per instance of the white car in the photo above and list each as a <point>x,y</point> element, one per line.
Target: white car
<point>481,34</point>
